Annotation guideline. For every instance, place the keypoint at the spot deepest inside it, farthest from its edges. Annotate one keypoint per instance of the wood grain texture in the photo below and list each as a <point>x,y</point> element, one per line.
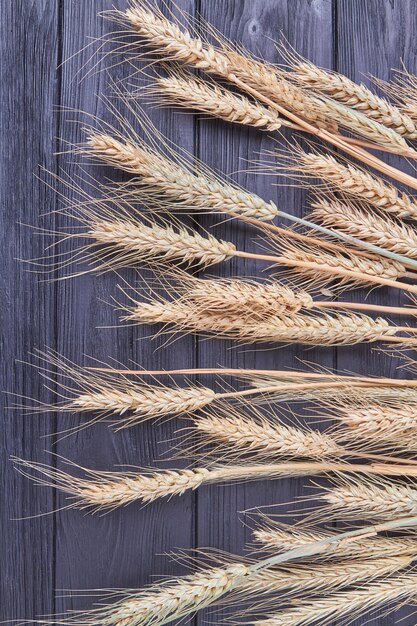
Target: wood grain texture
<point>126,548</point>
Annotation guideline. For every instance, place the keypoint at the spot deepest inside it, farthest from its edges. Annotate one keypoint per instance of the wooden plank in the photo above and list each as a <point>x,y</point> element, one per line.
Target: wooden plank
<point>373,38</point>
<point>28,59</point>
<point>123,548</point>
<point>228,148</point>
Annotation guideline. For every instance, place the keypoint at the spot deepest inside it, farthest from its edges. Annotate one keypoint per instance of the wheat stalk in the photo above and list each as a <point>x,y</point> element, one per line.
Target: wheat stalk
<point>254,298</point>
<point>121,240</point>
<point>108,490</point>
<point>274,536</point>
<point>174,180</point>
<point>236,433</point>
<point>186,90</point>
<point>374,227</point>
<point>156,174</point>
<point>393,423</point>
<point>370,500</point>
<point>355,182</point>
<point>251,75</point>
<point>358,97</point>
<point>110,392</point>
<point>170,184</point>
<point>353,603</point>
<point>313,329</point>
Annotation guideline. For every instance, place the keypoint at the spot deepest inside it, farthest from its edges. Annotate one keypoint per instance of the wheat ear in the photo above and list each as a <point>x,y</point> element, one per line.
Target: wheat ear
<point>313,329</point>
<point>236,295</point>
<point>356,182</point>
<point>243,431</point>
<point>358,97</point>
<point>370,500</point>
<point>117,397</point>
<point>353,603</point>
<point>375,227</point>
<point>188,91</point>
<point>174,180</point>
<point>373,423</point>
<point>109,490</point>
<point>274,536</point>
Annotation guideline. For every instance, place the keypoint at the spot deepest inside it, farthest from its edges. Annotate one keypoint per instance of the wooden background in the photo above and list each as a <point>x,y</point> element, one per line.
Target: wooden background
<point>72,550</point>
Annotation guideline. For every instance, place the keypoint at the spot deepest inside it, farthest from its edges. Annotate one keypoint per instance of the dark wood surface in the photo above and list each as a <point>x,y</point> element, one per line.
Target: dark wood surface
<point>71,550</point>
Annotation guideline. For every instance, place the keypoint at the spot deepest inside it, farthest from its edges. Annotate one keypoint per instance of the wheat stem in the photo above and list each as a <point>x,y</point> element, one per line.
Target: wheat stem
<point>108,490</point>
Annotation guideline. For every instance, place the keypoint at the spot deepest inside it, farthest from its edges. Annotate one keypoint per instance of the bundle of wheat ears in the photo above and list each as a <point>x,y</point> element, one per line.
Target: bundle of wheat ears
<point>359,233</point>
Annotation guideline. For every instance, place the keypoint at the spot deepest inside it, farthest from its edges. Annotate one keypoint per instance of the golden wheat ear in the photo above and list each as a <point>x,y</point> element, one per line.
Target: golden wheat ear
<point>115,397</point>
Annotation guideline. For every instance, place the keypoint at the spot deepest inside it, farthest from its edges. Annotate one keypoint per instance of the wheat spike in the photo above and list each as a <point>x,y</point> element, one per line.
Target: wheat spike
<point>108,490</point>
<point>323,329</point>
<point>374,227</point>
<point>142,242</point>
<point>326,261</point>
<point>353,603</point>
<point>371,500</point>
<point>274,536</point>
<point>358,97</point>
<point>164,602</point>
<point>356,182</point>
<point>117,397</point>
<point>177,44</point>
<point>188,91</point>
<point>235,295</point>
<point>394,423</point>
<point>363,126</point>
<point>239,432</point>
<point>173,180</point>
